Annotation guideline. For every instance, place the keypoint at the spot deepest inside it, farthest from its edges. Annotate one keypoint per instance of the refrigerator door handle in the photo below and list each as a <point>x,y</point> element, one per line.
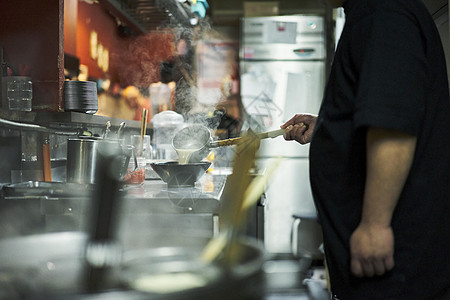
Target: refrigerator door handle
<point>304,51</point>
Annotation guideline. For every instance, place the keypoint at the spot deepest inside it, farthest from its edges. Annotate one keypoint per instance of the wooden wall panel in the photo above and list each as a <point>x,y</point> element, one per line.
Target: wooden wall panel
<point>31,33</point>
<point>70,26</point>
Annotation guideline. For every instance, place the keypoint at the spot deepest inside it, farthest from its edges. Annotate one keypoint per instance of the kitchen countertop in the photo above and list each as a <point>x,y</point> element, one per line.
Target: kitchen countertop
<point>151,202</point>
<point>204,197</point>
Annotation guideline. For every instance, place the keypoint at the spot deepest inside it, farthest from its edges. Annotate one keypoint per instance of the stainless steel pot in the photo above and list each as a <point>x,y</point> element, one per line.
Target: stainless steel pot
<point>83,155</point>
<point>82,159</point>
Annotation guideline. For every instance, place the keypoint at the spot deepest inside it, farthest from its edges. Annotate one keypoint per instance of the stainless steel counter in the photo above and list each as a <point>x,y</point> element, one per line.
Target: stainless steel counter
<point>155,196</point>
<point>153,213</point>
<point>151,202</point>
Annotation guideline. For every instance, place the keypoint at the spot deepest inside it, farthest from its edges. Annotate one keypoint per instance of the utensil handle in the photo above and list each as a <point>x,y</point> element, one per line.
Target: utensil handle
<point>107,129</point>
<point>234,141</point>
<point>143,122</point>
<point>120,130</point>
<point>227,142</point>
<point>271,134</point>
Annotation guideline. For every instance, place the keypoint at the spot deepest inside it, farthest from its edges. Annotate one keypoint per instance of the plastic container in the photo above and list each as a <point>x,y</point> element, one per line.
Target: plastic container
<point>145,150</point>
<point>142,145</point>
<point>160,94</point>
<point>19,92</point>
<point>165,125</point>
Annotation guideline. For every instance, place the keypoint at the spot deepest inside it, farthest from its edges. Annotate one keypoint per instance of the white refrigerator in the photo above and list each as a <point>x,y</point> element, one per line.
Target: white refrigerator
<point>282,65</point>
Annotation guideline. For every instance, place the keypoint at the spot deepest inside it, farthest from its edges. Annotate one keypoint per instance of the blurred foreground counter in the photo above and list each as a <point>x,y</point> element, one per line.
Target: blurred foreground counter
<point>149,215</point>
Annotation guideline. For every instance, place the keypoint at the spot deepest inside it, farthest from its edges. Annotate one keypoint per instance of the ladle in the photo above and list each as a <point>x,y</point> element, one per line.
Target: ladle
<point>193,142</point>
<point>234,141</point>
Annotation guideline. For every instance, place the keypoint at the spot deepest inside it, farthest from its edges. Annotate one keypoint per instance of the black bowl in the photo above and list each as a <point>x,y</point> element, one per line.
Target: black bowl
<point>176,175</point>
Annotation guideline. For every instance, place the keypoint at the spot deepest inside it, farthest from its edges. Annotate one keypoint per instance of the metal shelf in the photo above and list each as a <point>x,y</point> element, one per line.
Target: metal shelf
<point>63,120</point>
<point>144,16</point>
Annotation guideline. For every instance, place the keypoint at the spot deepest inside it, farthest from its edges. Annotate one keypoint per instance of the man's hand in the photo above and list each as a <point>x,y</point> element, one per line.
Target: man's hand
<point>372,250</point>
<point>389,158</point>
<point>300,128</point>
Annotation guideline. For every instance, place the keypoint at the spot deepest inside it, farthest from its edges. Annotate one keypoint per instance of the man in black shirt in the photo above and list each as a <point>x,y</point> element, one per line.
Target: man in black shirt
<point>379,155</point>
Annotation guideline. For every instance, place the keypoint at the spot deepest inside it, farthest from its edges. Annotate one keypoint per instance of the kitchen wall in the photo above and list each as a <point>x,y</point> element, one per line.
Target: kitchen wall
<point>118,54</point>
<point>229,12</point>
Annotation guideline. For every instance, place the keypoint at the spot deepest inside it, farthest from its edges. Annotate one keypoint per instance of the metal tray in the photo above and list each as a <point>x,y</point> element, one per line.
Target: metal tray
<point>41,188</point>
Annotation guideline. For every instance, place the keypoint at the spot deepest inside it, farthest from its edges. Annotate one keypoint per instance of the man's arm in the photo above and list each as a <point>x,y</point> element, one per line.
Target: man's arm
<point>389,158</point>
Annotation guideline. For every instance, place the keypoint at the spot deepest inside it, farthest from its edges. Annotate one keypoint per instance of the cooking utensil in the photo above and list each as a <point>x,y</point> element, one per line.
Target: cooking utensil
<point>136,166</point>
<point>107,129</point>
<point>176,175</point>
<point>143,127</point>
<point>82,156</point>
<point>234,141</point>
<point>230,215</point>
<point>144,121</point>
<point>122,126</point>
<point>197,138</point>
<point>257,186</point>
<point>82,159</point>
<point>252,195</point>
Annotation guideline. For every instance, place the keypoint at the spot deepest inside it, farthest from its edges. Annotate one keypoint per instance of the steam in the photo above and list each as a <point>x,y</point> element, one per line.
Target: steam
<point>139,64</point>
<point>175,42</point>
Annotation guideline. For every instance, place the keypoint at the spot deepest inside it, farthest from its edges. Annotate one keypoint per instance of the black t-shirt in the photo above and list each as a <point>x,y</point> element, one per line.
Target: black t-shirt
<point>389,72</point>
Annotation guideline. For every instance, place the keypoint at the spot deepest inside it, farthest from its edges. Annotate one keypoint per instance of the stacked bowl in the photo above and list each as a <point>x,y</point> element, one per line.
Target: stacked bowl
<point>80,96</point>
